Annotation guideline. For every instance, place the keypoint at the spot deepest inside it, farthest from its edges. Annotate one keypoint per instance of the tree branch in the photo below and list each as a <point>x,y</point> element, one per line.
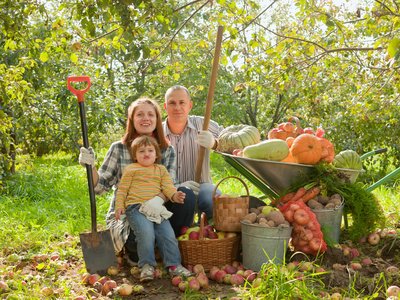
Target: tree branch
<point>175,34</point>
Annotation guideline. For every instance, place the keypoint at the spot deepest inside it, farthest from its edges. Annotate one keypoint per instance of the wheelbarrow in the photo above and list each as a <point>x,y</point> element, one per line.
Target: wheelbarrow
<point>274,178</point>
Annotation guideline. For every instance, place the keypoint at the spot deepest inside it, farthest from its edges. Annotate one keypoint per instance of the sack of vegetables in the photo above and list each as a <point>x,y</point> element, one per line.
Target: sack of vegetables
<point>307,236</point>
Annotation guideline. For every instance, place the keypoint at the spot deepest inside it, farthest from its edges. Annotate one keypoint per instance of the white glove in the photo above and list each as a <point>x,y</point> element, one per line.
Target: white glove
<point>205,139</point>
<point>193,185</point>
<point>86,156</point>
<point>154,210</point>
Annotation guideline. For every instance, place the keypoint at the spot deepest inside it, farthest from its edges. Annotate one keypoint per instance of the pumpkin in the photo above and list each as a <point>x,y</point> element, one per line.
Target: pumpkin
<point>289,159</point>
<point>237,137</point>
<point>306,149</point>
<point>289,141</point>
<point>275,149</point>
<point>348,159</point>
<point>328,151</point>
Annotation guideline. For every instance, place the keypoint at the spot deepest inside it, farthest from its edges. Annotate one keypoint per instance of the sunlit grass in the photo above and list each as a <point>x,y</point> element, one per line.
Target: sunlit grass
<point>48,197</point>
<point>43,200</point>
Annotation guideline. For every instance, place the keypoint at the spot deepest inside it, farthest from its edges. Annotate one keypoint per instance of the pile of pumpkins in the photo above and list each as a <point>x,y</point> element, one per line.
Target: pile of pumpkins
<point>288,142</point>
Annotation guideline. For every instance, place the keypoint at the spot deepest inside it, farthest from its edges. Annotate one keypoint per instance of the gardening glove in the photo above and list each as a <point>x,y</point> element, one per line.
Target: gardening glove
<point>193,185</point>
<point>86,156</point>
<point>205,139</point>
<point>152,208</point>
<point>165,214</point>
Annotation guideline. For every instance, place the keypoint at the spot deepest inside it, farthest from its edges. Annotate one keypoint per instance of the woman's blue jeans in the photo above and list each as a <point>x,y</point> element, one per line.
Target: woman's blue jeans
<point>148,234</point>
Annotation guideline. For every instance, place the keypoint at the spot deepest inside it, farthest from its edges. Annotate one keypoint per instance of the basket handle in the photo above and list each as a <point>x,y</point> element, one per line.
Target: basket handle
<point>203,219</point>
<point>241,180</point>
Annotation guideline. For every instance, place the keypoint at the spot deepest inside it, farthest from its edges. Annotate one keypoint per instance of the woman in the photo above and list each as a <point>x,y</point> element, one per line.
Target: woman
<point>144,118</point>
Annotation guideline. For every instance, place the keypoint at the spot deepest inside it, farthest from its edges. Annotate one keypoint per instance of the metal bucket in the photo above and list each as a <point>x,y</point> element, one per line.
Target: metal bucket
<point>263,244</point>
<point>330,221</point>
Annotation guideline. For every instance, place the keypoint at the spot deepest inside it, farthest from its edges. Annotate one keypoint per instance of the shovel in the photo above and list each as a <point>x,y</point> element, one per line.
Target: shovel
<point>97,246</point>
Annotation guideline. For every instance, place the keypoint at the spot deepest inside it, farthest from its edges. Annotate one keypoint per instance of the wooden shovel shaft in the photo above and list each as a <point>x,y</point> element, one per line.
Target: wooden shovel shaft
<point>210,96</point>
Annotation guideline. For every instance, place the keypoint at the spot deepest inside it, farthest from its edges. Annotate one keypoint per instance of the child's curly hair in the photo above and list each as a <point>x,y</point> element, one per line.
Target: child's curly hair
<point>145,140</point>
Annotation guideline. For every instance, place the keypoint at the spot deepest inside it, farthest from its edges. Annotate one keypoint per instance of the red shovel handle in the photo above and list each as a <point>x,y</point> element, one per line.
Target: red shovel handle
<point>78,93</point>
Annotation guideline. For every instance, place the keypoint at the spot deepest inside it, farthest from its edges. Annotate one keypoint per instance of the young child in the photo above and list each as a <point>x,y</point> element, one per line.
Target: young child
<point>143,180</point>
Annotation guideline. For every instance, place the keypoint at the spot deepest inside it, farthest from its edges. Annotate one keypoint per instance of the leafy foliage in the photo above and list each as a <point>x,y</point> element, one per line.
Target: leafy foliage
<point>361,205</point>
<point>332,66</point>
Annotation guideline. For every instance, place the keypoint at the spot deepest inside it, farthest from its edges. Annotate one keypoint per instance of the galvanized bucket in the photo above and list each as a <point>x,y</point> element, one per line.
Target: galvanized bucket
<point>263,245</point>
<point>330,221</point>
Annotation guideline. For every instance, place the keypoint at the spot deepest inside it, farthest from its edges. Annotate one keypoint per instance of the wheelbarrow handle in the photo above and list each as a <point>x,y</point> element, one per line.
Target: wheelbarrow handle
<point>373,152</point>
<point>78,93</point>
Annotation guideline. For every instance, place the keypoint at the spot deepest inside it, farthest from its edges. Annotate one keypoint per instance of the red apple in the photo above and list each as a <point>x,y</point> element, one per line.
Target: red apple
<point>213,271</point>
<point>393,291</point>
<point>219,276</point>
<point>198,269</point>
<point>237,279</point>
<point>249,275</point>
<point>112,270</point>
<point>93,278</point>
<point>227,278</point>
<point>194,284</point>
<point>125,289</point>
<point>183,285</point>
<point>366,261</point>
<point>183,230</point>
<point>229,269</point>
<point>108,286</point>
<point>356,266</point>
<point>373,238</point>
<point>3,286</point>
<point>212,235</point>
<point>203,280</point>
<point>103,279</point>
<point>176,280</point>
<point>194,235</point>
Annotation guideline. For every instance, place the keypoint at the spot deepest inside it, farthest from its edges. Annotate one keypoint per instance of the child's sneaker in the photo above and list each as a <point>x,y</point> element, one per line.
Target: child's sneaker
<point>147,273</point>
<point>179,270</point>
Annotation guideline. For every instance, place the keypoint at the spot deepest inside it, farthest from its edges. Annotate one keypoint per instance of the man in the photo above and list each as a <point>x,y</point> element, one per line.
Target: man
<point>186,134</point>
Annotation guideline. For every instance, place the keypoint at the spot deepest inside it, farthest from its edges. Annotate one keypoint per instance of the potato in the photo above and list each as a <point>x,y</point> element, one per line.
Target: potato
<point>276,216</point>
<point>314,204</point>
<point>251,217</point>
<point>323,199</point>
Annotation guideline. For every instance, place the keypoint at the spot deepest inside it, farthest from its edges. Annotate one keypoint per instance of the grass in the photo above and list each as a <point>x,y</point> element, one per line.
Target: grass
<point>47,201</point>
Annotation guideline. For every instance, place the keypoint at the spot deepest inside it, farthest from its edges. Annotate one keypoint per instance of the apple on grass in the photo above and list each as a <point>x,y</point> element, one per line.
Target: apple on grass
<point>373,238</point>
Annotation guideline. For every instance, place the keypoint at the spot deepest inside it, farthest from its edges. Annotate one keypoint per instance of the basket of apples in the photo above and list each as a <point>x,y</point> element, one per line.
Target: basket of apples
<point>204,245</point>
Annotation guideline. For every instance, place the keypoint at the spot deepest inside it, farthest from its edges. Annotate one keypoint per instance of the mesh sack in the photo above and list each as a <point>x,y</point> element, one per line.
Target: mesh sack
<point>307,236</point>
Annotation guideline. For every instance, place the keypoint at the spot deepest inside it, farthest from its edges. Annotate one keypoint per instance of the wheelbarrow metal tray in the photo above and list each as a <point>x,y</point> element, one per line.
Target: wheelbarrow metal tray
<point>278,176</point>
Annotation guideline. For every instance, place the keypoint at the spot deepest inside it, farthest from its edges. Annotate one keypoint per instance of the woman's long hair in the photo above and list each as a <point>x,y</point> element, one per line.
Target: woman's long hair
<point>130,131</point>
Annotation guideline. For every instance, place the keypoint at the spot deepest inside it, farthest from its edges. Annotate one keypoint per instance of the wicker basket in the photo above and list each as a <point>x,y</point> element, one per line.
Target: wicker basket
<point>211,252</point>
<point>227,211</point>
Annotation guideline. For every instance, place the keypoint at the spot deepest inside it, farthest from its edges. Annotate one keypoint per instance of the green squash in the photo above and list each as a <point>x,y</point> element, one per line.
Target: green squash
<point>237,137</point>
<point>272,149</point>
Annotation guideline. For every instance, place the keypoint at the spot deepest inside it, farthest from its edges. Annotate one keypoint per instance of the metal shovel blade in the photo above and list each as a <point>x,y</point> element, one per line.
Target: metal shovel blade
<point>98,251</point>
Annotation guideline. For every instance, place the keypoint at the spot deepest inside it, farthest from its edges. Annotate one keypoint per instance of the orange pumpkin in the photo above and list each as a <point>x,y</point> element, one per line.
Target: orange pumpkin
<point>306,149</point>
<point>289,141</point>
<point>289,158</point>
<point>328,151</point>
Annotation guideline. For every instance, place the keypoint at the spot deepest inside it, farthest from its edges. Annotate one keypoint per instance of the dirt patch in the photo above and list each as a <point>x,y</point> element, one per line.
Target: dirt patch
<point>27,277</point>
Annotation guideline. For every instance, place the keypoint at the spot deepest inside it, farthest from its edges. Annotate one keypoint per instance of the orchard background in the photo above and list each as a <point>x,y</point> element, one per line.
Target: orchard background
<point>332,64</point>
